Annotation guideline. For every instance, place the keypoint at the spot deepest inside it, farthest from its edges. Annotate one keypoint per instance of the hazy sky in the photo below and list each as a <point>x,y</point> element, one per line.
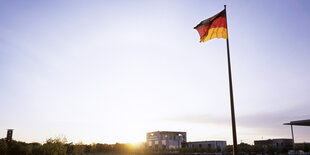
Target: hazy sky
<point>110,71</point>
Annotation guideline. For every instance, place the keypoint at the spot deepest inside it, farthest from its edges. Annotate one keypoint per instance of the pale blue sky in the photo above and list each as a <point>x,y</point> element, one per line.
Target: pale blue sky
<point>110,71</point>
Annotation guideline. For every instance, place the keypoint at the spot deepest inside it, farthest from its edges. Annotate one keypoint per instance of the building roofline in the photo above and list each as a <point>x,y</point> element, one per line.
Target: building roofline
<point>207,141</point>
<point>168,132</point>
<point>273,139</point>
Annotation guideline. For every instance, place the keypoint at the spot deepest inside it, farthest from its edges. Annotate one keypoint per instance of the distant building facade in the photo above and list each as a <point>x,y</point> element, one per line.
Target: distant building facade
<point>165,140</point>
<point>207,144</point>
<point>275,143</point>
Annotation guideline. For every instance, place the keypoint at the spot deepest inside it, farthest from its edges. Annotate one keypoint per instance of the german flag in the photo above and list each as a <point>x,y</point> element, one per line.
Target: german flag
<point>214,27</point>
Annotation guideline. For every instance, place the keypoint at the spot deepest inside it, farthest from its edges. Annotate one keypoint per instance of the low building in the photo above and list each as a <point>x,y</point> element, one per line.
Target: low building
<point>263,143</point>
<point>275,143</point>
<point>165,140</point>
<point>207,144</point>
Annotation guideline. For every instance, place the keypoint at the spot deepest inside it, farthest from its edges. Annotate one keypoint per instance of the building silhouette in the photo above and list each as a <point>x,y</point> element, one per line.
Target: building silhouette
<point>275,143</point>
<point>9,135</point>
<point>207,144</point>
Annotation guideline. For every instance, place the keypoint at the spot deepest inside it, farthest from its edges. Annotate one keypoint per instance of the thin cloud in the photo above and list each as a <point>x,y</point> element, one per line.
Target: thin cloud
<point>258,120</point>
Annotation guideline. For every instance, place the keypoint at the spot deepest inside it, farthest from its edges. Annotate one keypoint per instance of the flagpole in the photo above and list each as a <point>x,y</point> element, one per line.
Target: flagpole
<point>233,122</point>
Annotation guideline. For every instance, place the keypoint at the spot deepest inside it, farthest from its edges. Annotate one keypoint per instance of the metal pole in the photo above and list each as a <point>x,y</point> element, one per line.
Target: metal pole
<point>233,122</point>
<point>293,137</point>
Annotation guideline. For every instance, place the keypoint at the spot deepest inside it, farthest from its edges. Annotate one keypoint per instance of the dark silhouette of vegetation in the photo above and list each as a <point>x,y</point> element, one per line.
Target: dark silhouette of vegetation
<point>59,146</point>
<point>3,146</point>
<point>55,146</point>
<point>306,148</point>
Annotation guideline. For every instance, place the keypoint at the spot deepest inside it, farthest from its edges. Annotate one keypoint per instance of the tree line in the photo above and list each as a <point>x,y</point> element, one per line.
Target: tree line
<point>59,146</point>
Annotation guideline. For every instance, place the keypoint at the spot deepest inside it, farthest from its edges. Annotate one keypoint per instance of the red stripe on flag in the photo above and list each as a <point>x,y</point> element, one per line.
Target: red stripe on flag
<point>219,22</point>
<point>203,31</point>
